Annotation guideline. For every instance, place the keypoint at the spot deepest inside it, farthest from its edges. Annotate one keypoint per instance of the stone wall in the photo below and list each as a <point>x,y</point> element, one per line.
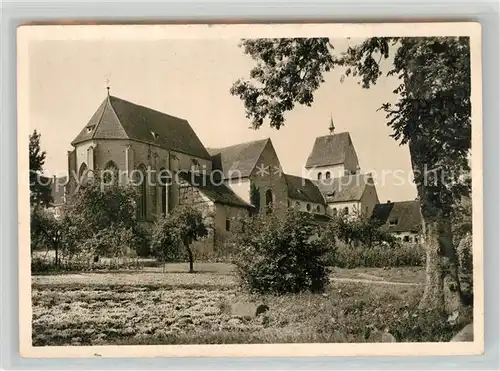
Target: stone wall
<point>268,176</point>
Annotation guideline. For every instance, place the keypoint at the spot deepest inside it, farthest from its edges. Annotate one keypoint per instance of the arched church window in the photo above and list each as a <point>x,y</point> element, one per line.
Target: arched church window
<point>318,209</point>
<point>308,207</point>
<point>83,173</point>
<point>110,172</point>
<point>319,175</point>
<point>163,181</point>
<point>327,175</point>
<point>346,210</point>
<point>141,183</point>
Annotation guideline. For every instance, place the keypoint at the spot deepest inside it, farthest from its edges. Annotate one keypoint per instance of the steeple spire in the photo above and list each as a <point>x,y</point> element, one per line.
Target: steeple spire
<point>332,127</point>
<point>107,85</point>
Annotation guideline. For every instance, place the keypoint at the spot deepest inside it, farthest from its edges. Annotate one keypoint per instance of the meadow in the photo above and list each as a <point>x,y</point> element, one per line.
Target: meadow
<point>208,307</point>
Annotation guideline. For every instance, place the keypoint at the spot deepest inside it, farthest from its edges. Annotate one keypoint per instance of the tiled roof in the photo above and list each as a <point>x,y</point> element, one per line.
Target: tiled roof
<point>238,160</point>
<point>345,188</point>
<point>401,216</point>
<point>119,119</point>
<point>303,189</point>
<point>329,150</point>
<point>217,192</point>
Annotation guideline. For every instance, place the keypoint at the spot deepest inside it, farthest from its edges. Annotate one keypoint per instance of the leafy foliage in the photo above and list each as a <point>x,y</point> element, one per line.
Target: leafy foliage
<point>358,229</point>
<point>46,231</point>
<point>288,71</point>
<point>99,219</point>
<point>281,254</point>
<point>431,115</point>
<point>380,256</point>
<point>40,187</point>
<point>183,226</point>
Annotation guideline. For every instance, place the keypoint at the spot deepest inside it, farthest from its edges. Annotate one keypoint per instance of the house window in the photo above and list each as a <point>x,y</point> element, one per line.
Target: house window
<point>346,210</point>
<point>308,207</point>
<point>318,209</point>
<point>416,239</point>
<point>366,210</point>
<point>319,175</point>
<point>327,175</point>
<point>406,238</point>
<point>228,225</point>
<point>393,221</point>
<point>90,128</point>
<point>155,135</point>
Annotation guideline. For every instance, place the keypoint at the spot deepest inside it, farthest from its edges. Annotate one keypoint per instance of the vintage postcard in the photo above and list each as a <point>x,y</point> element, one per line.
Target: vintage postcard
<point>250,190</point>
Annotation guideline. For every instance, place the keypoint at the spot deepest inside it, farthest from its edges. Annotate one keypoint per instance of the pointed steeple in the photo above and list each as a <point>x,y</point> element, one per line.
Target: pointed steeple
<point>332,127</point>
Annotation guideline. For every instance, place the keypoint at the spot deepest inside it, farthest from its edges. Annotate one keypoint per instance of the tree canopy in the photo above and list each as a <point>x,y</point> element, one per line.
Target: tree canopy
<point>40,186</point>
<point>431,115</point>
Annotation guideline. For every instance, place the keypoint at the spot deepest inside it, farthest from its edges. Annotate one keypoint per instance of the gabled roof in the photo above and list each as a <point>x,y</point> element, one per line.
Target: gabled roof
<point>329,150</point>
<point>303,189</point>
<point>238,160</point>
<point>120,119</point>
<point>345,188</point>
<point>217,192</point>
<point>401,216</point>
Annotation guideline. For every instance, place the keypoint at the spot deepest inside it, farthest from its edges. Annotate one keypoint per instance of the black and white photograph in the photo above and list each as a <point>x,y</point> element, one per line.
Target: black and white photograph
<point>308,189</point>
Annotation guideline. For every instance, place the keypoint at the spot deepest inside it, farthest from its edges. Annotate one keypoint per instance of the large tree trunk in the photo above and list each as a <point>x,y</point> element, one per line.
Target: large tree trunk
<point>190,256</point>
<point>442,286</point>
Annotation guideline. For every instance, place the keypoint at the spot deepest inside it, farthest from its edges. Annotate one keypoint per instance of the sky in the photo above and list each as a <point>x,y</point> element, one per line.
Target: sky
<point>191,78</point>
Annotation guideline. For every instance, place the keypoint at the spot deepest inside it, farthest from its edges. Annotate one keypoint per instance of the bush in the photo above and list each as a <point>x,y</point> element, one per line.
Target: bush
<point>345,256</point>
<point>82,263</point>
<point>281,254</point>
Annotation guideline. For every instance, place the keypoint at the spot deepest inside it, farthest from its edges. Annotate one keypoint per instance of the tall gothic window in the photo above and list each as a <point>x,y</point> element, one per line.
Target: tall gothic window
<point>82,173</point>
<point>141,183</point>
<point>163,181</point>
<point>111,173</point>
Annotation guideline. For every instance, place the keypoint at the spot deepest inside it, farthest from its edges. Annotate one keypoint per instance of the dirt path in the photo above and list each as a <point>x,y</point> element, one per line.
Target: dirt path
<point>381,282</point>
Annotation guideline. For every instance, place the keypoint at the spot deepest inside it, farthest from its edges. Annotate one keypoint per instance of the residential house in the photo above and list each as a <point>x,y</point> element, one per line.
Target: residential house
<point>401,219</point>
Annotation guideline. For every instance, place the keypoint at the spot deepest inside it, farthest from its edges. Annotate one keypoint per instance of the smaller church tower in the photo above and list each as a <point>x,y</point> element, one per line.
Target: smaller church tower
<point>332,156</point>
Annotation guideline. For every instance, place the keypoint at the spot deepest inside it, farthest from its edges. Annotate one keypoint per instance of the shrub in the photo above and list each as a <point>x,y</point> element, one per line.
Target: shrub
<point>381,256</point>
<point>281,254</point>
<point>182,227</point>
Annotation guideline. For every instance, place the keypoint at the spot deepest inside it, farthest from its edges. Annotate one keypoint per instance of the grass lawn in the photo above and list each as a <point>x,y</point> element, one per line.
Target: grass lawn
<point>175,307</point>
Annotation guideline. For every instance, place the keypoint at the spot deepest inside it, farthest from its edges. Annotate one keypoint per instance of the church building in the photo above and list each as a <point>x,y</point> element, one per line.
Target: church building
<point>333,165</point>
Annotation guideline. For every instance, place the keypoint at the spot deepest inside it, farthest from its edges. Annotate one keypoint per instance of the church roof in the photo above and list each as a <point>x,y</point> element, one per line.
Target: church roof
<point>329,150</point>
<point>303,189</point>
<point>120,119</point>
<point>345,188</point>
<point>238,160</point>
<point>401,216</point>
<point>217,192</point>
